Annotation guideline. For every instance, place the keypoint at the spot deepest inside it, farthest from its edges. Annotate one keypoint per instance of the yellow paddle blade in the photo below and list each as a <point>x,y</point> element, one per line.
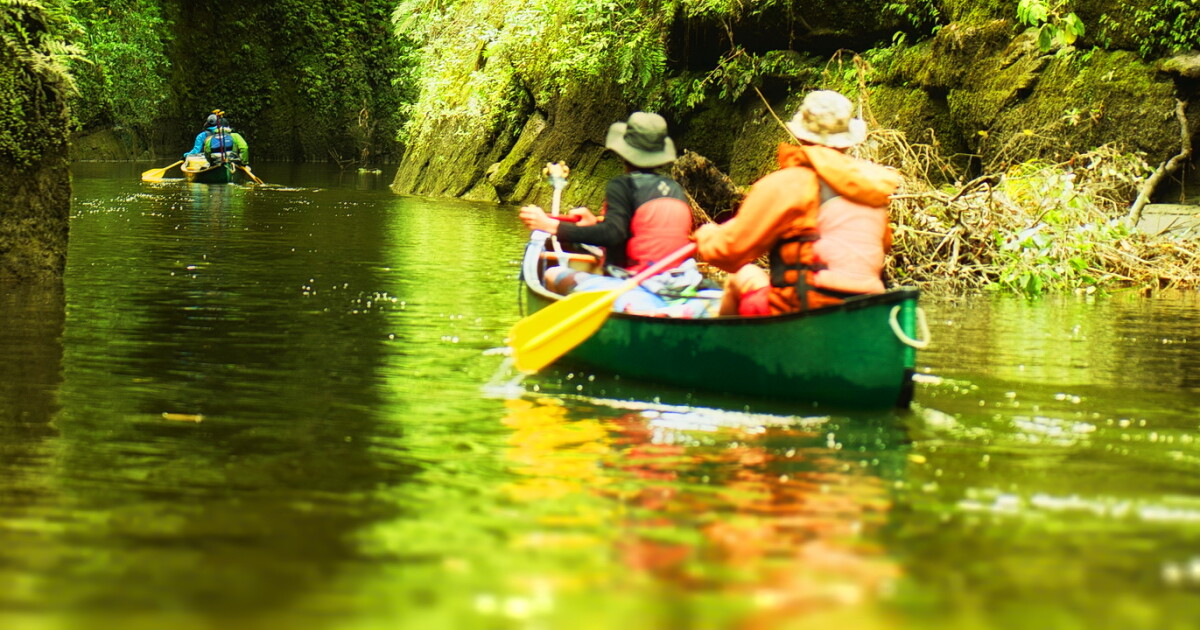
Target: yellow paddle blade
<point>551,332</point>
<point>251,175</point>
<point>548,334</point>
<point>156,174</point>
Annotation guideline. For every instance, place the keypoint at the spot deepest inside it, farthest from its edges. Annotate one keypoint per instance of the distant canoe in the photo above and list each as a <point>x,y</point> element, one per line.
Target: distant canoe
<point>216,174</point>
<point>849,355</point>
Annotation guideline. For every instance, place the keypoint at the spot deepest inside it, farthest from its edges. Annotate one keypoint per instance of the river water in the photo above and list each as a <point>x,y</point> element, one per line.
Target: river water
<point>280,407</point>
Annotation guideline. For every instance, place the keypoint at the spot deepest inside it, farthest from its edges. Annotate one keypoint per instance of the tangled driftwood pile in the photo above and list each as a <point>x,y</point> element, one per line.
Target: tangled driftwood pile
<point>1031,228</point>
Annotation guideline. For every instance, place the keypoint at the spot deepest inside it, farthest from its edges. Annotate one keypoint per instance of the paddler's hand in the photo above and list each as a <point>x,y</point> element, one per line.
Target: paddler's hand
<point>535,218</point>
<point>585,216</point>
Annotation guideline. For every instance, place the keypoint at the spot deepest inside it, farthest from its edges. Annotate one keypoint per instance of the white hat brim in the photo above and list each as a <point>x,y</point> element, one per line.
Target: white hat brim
<point>855,133</point>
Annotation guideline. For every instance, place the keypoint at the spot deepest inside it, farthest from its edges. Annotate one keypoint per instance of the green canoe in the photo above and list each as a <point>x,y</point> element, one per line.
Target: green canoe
<point>216,174</point>
<point>850,355</point>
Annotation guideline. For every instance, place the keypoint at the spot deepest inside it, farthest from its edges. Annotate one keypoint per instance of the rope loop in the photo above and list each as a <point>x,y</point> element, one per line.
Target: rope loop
<point>922,341</point>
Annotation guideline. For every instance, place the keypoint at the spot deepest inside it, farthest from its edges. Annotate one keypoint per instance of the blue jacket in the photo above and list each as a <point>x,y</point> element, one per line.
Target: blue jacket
<point>240,150</point>
<point>198,147</point>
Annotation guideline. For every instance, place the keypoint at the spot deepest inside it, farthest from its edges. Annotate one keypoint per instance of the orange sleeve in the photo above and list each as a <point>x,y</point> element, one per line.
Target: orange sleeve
<point>857,180</point>
<point>768,209</point>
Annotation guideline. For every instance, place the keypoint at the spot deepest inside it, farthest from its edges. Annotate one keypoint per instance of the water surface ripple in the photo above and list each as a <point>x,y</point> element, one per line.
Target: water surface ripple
<point>265,407</point>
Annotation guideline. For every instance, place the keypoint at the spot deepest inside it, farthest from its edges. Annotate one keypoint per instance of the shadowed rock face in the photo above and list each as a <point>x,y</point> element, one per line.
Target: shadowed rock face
<point>34,218</point>
<point>35,180</point>
<point>711,190</point>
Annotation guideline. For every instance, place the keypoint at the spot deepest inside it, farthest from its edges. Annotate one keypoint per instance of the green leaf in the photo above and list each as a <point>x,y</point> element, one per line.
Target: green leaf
<point>1046,36</point>
<point>1074,25</point>
<point>1034,285</point>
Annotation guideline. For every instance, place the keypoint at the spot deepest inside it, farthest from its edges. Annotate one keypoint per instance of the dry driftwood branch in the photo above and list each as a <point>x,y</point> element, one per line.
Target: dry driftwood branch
<point>1172,165</point>
<point>707,187</point>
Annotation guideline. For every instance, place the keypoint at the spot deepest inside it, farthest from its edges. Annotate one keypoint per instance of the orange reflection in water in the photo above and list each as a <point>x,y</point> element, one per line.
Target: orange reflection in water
<point>773,516</point>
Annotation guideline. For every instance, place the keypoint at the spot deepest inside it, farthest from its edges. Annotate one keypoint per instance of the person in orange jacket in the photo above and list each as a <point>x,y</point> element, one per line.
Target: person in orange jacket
<point>821,218</point>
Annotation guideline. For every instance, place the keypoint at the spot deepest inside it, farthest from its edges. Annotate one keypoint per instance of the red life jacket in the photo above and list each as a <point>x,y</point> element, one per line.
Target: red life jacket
<point>659,227</point>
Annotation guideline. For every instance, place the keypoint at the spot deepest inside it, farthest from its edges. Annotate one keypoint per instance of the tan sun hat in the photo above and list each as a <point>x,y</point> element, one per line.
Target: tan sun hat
<point>642,140</point>
<point>827,118</point>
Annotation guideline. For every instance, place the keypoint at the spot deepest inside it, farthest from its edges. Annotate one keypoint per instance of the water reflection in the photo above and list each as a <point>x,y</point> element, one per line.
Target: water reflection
<point>211,202</point>
<point>31,327</point>
<point>778,517</point>
<point>260,406</point>
<point>1069,340</point>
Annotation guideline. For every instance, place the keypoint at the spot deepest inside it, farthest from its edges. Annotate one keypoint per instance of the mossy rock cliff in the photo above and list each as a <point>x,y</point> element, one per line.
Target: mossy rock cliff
<point>1004,100</point>
<point>979,89</point>
<point>35,180</point>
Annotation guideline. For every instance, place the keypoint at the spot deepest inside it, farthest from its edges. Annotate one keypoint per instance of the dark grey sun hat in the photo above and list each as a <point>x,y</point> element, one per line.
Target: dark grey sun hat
<point>642,140</point>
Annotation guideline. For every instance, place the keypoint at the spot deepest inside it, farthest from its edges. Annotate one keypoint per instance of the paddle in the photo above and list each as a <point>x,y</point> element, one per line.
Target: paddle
<point>546,335</point>
<point>156,174</point>
<point>246,170</point>
<point>557,172</point>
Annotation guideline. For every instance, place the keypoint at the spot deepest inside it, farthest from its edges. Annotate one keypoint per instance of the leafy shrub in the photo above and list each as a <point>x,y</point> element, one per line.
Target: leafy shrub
<point>1056,26</point>
<point>124,81</point>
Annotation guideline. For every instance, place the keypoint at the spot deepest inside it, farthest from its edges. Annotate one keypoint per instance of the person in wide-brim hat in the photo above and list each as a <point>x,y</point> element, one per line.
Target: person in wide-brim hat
<point>821,218</point>
<point>827,118</point>
<point>645,216</point>
<point>642,140</point>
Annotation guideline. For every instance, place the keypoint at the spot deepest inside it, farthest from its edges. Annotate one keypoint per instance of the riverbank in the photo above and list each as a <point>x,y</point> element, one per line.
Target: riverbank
<point>1037,227</point>
<point>1023,153</point>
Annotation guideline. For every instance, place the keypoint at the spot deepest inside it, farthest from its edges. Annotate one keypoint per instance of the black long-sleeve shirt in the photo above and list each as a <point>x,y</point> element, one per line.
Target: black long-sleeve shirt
<point>623,195</point>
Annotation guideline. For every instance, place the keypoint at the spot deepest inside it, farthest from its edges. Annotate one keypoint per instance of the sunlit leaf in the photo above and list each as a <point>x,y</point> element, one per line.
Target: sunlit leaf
<point>1046,37</point>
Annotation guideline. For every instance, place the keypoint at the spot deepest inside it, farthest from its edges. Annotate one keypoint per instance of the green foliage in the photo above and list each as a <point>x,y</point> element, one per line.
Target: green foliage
<point>1066,228</point>
<point>471,52</point>
<point>723,10</point>
<point>922,15</point>
<point>1167,26</point>
<point>34,78</point>
<point>736,72</point>
<point>125,82</point>
<point>35,33</point>
<point>619,39</point>
<point>1056,27</point>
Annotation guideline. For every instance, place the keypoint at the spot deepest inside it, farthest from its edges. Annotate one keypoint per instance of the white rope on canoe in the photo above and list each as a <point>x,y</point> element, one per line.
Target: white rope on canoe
<point>923,339</point>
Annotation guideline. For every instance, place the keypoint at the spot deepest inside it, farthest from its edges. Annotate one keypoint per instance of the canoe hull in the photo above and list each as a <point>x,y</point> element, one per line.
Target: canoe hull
<point>217,174</point>
<point>846,355</point>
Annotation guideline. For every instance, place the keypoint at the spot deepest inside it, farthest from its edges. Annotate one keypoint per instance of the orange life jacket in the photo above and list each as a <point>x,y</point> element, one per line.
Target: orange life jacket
<point>841,255</point>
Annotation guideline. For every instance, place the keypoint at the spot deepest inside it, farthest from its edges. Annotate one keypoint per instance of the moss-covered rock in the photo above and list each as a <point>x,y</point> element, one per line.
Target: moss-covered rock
<point>943,61</point>
<point>712,133</point>
<point>978,88</point>
<point>1083,101</point>
<point>922,115</point>
<point>1001,98</point>
<point>973,11</point>
<point>35,182</point>
<point>464,154</point>
<point>110,144</point>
